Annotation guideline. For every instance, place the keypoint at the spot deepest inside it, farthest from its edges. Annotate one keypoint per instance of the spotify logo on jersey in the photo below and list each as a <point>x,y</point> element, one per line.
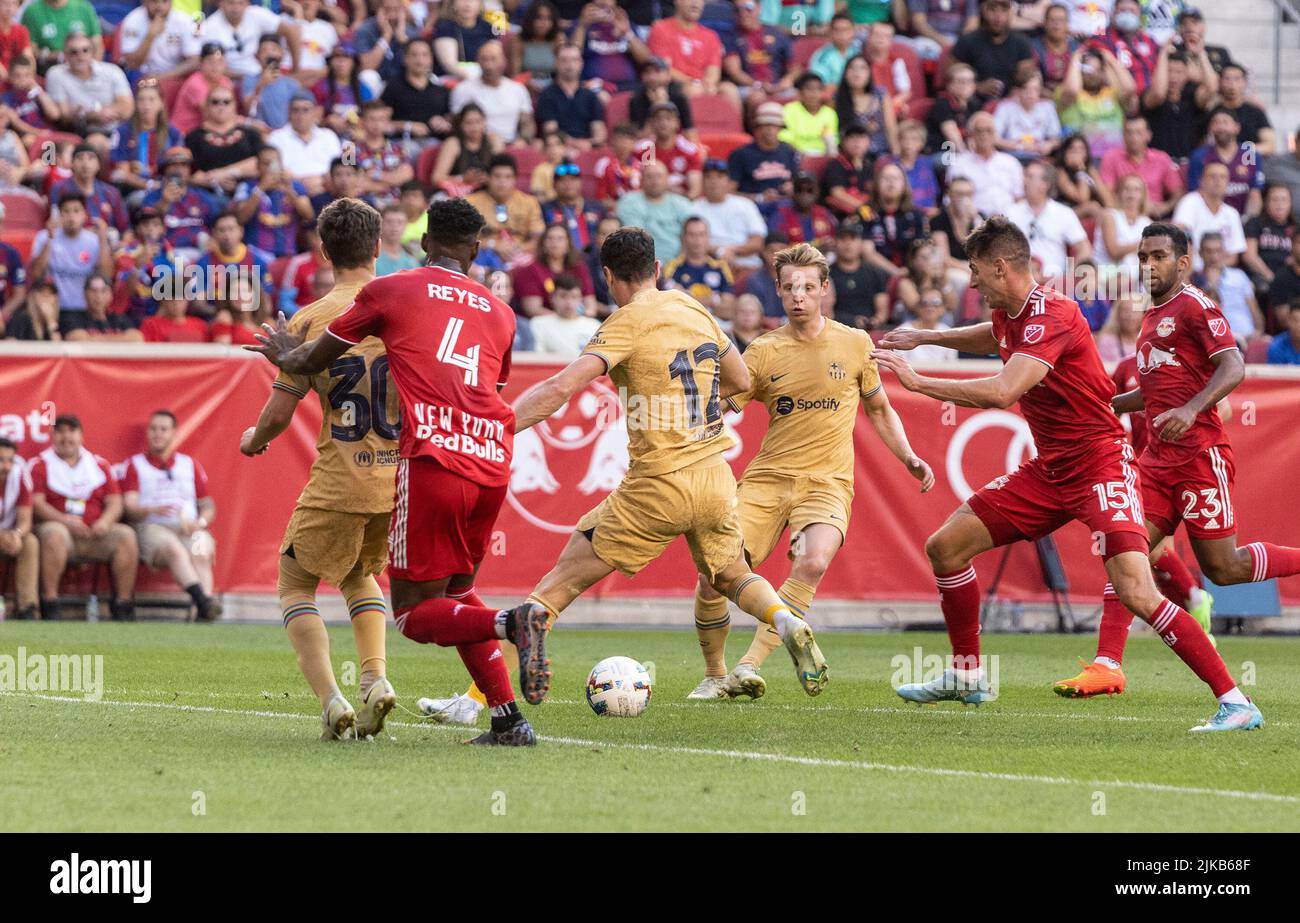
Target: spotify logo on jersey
<point>784,405</point>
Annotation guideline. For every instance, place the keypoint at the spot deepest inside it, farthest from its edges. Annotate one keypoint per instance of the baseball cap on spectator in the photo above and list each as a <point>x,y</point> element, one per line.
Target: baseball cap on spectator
<point>770,114</point>
<point>804,178</point>
<point>664,107</point>
<point>175,155</point>
<point>1189,12</point>
<point>714,165</point>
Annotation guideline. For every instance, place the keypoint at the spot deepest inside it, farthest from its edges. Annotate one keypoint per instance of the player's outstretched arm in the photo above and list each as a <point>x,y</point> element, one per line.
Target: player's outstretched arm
<point>546,397</point>
<point>1229,370</point>
<point>1002,390</point>
<point>274,420</point>
<point>889,427</point>
<point>735,376</point>
<point>1128,402</point>
<point>977,338</point>
<point>288,351</point>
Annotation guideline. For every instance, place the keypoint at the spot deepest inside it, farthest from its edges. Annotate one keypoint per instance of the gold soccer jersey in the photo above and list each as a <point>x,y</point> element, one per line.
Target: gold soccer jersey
<point>357,446</point>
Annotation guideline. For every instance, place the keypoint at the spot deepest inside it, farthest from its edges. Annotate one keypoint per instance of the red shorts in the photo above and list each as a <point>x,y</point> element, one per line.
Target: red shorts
<point>1028,504</point>
<point>1197,492</point>
<point>442,522</point>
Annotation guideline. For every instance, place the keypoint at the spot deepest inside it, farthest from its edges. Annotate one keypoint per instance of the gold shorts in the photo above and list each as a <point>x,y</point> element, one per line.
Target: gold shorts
<point>98,548</point>
<point>768,502</point>
<point>330,544</point>
<point>635,523</point>
<point>155,537</point>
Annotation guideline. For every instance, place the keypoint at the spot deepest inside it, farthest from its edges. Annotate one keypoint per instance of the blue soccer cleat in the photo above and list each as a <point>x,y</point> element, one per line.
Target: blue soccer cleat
<point>1233,718</point>
<point>948,688</point>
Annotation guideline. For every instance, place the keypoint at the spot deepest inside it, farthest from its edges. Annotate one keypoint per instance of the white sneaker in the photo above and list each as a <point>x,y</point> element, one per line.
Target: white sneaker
<point>711,687</point>
<point>375,706</point>
<point>338,720</point>
<point>744,680</point>
<point>459,709</point>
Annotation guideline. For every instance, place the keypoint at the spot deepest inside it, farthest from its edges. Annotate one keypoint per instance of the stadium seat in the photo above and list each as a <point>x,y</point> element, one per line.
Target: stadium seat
<point>170,87</point>
<point>587,161</point>
<point>721,145</point>
<point>1257,349</point>
<point>527,158</point>
<point>915,70</point>
<point>919,107</point>
<point>55,137</point>
<point>941,71</point>
<point>617,110</point>
<point>23,211</point>
<point>21,240</point>
<point>424,165</point>
<point>816,165</point>
<point>804,48</point>
<point>716,114</point>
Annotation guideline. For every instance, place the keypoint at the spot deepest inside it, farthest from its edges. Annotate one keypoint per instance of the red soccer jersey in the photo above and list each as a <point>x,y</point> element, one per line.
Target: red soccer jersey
<point>78,490</point>
<point>1125,377</point>
<point>681,157</point>
<point>448,341</point>
<point>1069,411</point>
<point>1174,359</point>
<point>614,179</point>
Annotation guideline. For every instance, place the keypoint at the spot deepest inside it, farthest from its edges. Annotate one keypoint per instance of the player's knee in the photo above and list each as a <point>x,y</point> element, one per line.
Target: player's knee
<point>1137,595</point>
<point>810,568</point>
<point>705,590</point>
<point>941,551</point>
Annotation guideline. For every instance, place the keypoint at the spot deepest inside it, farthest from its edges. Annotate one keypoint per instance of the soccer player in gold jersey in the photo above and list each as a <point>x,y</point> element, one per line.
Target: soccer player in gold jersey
<point>339,529</point>
<point>810,374</point>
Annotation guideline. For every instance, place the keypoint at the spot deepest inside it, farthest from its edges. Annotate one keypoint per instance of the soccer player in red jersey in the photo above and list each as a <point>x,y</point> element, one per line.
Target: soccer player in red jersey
<point>1187,362</point>
<point>448,341</point>
<point>1084,470</point>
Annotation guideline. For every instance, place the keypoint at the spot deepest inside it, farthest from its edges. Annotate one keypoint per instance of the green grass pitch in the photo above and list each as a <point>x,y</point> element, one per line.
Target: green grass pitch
<point>210,728</point>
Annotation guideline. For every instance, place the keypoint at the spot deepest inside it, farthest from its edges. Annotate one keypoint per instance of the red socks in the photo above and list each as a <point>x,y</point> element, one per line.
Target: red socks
<point>1180,631</point>
<point>1175,580</point>
<point>448,622</point>
<point>1273,561</point>
<point>485,663</point>
<point>959,599</point>
<point>1115,622</point>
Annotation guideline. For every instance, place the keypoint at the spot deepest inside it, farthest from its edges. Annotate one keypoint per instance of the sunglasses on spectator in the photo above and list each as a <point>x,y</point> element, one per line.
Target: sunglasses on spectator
<point>568,169</point>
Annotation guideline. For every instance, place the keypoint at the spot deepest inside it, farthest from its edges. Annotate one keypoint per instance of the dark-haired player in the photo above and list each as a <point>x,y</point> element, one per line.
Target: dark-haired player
<point>1187,361</point>
<point>673,366</point>
<point>448,343</point>
<point>1084,471</point>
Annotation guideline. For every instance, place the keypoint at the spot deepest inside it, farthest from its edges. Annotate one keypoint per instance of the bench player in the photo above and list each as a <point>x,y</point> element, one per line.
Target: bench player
<point>810,374</point>
<point>338,532</point>
<point>1084,470</point>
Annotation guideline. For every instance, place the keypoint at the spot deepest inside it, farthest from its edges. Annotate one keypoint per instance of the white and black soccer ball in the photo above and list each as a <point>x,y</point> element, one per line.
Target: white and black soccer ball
<point>618,687</point>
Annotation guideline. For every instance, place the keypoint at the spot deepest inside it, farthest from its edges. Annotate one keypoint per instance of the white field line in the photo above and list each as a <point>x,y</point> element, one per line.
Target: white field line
<point>818,762</point>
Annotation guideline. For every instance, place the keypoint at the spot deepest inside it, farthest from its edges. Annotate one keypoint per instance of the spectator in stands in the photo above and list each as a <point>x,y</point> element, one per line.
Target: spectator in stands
<point>223,150</point>
<point>860,288</point>
<point>1164,184</point>
<point>70,252</point>
<point>458,36</point>
<point>736,228</point>
<point>102,200</point>
<point>306,147</point>
<point>570,209</point>
<point>343,182</point>
<point>993,50</point>
<point>101,326</point>
<point>928,315</point>
<point>231,268</point>
<point>701,275</point>
<point>758,59</point>
<point>30,108</point>
<point>612,50</point>
<point>1285,348</point>
<point>144,257</point>
<point>421,106</point>
<point>860,103</point>
<point>238,28</point>
<point>998,177</point>
<point>1284,167</point>
<point>1235,291</point>
<point>1026,123</point>
<point>762,284</point>
<point>1054,46</point>
<point>936,25</point>
<point>17,542</point>
<point>1174,104</point>
<point>272,206</point>
<point>14,38</point>
<point>37,319</point>
<point>803,220</point>
<point>666,144</point>
<point>318,37</point>
<point>1078,182</point>
<point>166,498</point>
<point>893,222</point>
<point>14,162</point>
<point>566,329</point>
<point>341,92</point>
<point>507,105</point>
<point>1191,39</point>
<point>949,117</point>
<point>296,291</point>
<point>504,207</point>
<point>50,23</point>
<point>809,15</point>
<point>533,48</point>
<point>1094,99</point>
<point>604,300</point>
<point>173,324</point>
<point>1245,178</point>
<point>955,221</point>
<point>693,51</point>
<point>266,95</point>
<point>567,106</point>
<point>829,60</point>
<point>919,169</point>
<point>657,86</point>
<point>619,171</point>
<point>90,93</point>
<point>1285,287</point>
<point>1118,336</point>
<point>657,209</point>
<point>846,183</point>
<point>158,40</point>
<point>1206,210</point>
<point>1133,48</point>
<point>383,39</point>
<point>13,277</point>
<point>811,126</point>
<point>415,204</point>
<point>189,109</point>
<point>1119,231</point>
<point>186,210</point>
<point>78,507</point>
<point>381,161</point>
<point>393,257</point>
<point>1269,235</point>
<point>747,325</point>
<point>534,282</point>
<point>926,271</point>
<point>463,159</point>
<point>764,169</point>
<point>888,67</point>
<point>555,151</point>
<point>142,141</point>
<point>1053,229</point>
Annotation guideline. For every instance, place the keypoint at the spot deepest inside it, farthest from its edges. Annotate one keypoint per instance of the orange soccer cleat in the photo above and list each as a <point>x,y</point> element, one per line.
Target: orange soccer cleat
<point>1095,679</point>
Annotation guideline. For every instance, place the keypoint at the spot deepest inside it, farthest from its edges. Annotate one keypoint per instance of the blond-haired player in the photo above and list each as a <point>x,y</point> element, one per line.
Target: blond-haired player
<point>673,367</point>
<point>339,529</point>
<point>810,374</point>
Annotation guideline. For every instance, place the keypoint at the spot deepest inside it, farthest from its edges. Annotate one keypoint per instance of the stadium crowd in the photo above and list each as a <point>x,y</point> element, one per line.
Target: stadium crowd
<point>161,163</point>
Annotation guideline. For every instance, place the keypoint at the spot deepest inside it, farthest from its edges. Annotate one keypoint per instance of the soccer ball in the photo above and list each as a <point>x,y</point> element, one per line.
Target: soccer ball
<point>618,687</point>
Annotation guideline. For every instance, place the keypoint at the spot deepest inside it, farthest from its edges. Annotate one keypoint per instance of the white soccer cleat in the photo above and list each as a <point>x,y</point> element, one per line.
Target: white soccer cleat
<point>338,720</point>
<point>809,664</point>
<point>744,680</point>
<point>459,709</point>
<point>711,687</point>
<point>378,701</point>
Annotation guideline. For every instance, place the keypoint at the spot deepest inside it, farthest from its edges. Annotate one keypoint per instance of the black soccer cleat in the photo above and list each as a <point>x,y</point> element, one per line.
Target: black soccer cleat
<point>519,734</point>
<point>526,627</point>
